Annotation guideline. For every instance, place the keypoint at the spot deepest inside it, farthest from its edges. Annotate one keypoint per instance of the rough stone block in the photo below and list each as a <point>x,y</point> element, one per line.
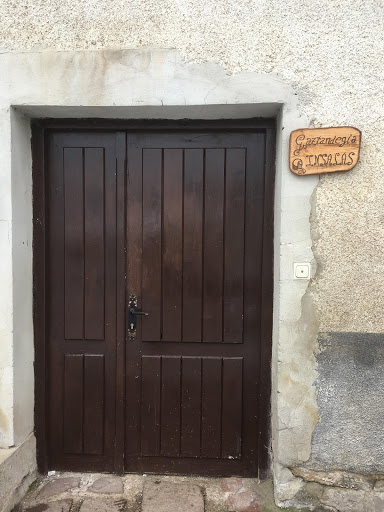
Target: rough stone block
<point>379,486</point>
<point>107,485</point>
<point>246,501</point>
<point>58,486</point>
<point>335,478</point>
<point>102,505</point>
<point>346,500</point>
<point>17,472</point>
<point>314,489</point>
<point>231,484</point>
<point>378,502</point>
<point>56,506</point>
<point>160,496</point>
<point>288,490</point>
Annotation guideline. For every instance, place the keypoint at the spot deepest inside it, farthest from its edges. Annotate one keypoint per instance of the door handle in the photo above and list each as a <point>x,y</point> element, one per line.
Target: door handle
<point>133,311</point>
<point>131,317</point>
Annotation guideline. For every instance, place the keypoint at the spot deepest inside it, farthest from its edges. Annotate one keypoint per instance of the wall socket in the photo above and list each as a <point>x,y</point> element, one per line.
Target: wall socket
<point>302,271</point>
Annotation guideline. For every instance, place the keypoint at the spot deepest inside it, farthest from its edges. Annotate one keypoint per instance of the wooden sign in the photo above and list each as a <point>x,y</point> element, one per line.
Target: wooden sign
<point>321,150</point>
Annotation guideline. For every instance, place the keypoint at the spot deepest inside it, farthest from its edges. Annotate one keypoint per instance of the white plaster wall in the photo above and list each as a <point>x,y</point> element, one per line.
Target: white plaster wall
<point>6,291</point>
<point>16,327</point>
<point>23,349</point>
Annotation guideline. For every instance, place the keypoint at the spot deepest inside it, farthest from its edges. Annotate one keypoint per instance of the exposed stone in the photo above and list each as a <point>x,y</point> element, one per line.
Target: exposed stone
<point>231,484</point>
<point>58,486</point>
<point>107,485</point>
<point>17,472</point>
<point>160,496</point>
<point>287,490</point>
<point>55,506</point>
<point>343,479</point>
<point>246,501</point>
<point>102,505</point>
<point>314,489</point>
<point>379,485</point>
<point>378,502</point>
<point>346,500</point>
<point>121,504</point>
<point>307,500</point>
<point>353,501</point>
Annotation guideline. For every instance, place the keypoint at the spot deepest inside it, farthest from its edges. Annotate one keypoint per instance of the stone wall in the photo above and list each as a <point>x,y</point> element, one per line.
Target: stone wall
<point>329,54</point>
<point>17,472</point>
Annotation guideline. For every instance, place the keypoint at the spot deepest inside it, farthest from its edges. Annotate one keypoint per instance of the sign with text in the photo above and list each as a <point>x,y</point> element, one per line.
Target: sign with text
<point>322,150</point>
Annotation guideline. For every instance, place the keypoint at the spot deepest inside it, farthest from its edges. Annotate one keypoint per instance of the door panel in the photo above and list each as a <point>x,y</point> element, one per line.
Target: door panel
<point>191,407</point>
<point>195,213</point>
<point>234,213</point>
<point>192,245</point>
<point>172,243</point>
<point>82,298</point>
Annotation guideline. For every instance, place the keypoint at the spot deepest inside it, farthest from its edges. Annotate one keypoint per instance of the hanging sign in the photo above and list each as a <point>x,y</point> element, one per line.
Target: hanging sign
<point>322,150</point>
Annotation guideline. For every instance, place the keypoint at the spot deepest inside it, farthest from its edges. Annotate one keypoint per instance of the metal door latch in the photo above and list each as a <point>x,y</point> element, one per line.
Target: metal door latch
<point>132,314</point>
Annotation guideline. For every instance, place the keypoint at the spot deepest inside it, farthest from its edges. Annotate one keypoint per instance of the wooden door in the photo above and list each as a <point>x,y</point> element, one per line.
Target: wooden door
<point>182,219</point>
<point>199,262</point>
<point>85,299</point>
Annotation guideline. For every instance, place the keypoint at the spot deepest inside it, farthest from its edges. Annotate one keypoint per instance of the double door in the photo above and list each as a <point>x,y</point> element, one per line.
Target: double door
<point>175,223</point>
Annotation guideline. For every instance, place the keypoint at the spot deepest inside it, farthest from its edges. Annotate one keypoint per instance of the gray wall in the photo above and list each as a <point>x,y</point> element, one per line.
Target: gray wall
<point>350,432</point>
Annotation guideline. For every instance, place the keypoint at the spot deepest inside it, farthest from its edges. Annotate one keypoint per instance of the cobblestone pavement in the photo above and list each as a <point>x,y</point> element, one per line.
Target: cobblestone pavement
<point>87,492</point>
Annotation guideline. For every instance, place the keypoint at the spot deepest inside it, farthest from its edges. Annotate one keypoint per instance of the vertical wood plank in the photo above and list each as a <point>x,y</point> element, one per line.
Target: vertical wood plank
<point>172,244</point>
<point>254,216</point>
<point>232,408</point>
<point>134,281</point>
<point>94,267</point>
<point>213,245</point>
<point>191,407</point>
<point>253,298</point>
<point>119,447</point>
<point>152,224</point>
<point>211,408</point>
<point>150,405</point>
<point>170,409</point>
<point>74,243</point>
<point>94,390</point>
<point>234,245</point>
<point>110,293</point>
<point>267,304</point>
<point>193,244</point>
<point>39,236</point>
<point>73,403</point>
<point>55,282</point>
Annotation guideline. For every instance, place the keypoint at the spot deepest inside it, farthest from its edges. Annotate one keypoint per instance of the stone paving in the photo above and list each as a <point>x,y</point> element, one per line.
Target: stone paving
<point>86,492</point>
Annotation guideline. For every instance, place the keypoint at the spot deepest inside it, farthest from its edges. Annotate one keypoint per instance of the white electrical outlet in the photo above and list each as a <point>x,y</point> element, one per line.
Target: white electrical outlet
<point>302,271</point>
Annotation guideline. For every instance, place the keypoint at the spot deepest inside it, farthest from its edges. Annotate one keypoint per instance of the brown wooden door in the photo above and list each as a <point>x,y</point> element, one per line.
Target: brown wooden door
<point>195,232</point>
<point>85,298</point>
<point>183,220</point>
